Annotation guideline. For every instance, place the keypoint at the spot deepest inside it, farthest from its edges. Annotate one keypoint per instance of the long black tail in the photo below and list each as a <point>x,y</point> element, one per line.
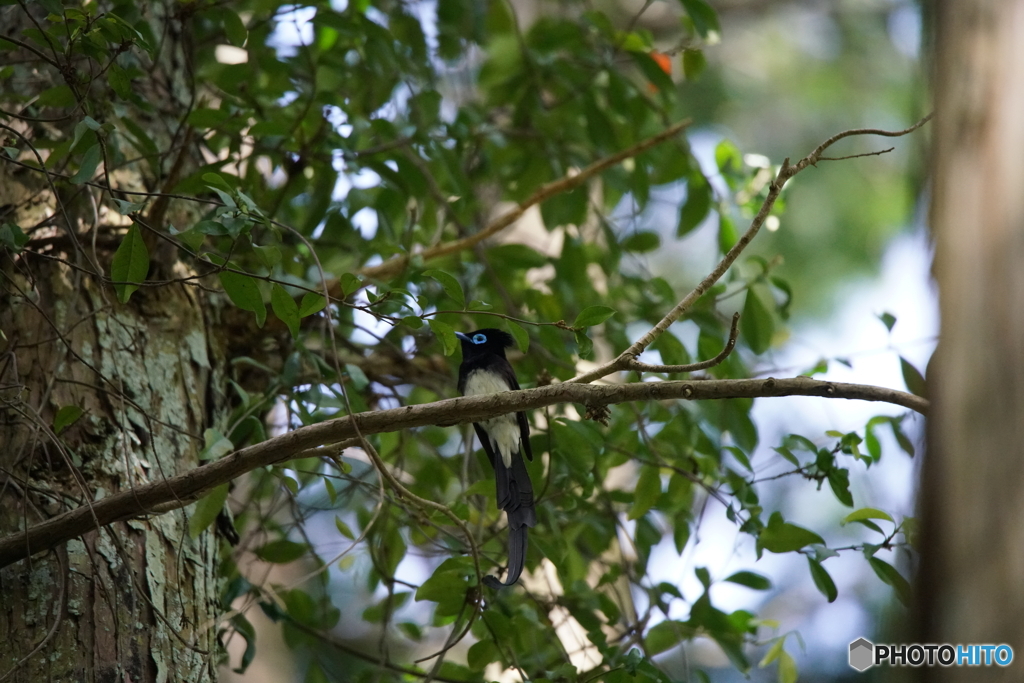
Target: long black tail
<point>515,497</point>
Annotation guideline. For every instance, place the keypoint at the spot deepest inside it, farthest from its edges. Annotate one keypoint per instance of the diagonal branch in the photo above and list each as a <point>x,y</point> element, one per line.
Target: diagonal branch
<point>396,264</point>
<point>179,491</point>
<point>786,172</point>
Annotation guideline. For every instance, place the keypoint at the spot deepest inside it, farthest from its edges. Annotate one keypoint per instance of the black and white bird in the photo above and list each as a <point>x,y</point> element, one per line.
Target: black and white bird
<point>485,370</point>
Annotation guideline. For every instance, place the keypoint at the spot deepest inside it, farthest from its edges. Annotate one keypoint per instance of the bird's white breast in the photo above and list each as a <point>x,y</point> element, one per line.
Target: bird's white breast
<point>503,430</point>
<point>484,382</point>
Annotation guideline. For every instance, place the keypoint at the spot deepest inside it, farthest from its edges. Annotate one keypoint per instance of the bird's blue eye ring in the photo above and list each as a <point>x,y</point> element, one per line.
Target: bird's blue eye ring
<point>479,338</point>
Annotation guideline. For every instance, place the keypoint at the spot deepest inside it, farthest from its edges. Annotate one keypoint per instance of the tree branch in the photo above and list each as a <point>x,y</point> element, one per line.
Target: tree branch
<point>179,491</point>
<point>396,264</point>
<point>787,171</point>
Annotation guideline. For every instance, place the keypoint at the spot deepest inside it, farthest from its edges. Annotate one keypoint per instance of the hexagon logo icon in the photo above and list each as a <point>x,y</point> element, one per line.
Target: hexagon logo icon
<point>862,654</point>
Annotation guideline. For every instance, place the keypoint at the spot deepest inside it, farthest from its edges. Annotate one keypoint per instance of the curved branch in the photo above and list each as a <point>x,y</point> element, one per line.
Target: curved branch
<point>734,331</point>
<point>179,491</point>
<point>396,264</point>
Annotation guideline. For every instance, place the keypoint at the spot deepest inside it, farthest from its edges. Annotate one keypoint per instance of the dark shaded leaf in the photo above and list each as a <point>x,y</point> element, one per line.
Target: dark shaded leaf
<point>285,308</point>
<point>822,580</point>
<point>66,417</point>
<point>750,580</point>
<point>244,293</point>
<point>451,286</point>
<point>130,264</point>
<point>913,378</point>
<point>281,551</point>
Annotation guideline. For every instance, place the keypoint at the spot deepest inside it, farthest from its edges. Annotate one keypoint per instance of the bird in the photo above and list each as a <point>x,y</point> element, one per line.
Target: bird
<point>485,370</point>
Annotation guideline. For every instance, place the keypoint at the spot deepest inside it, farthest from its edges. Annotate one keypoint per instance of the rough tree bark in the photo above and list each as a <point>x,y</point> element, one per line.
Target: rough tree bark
<point>973,486</point>
<point>132,601</point>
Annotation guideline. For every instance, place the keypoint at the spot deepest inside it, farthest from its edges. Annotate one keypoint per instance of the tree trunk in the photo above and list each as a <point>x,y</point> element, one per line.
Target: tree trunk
<point>971,588</point>
<point>133,601</point>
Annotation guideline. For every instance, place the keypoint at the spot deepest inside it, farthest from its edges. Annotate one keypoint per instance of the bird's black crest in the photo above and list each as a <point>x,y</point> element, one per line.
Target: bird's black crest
<point>489,338</point>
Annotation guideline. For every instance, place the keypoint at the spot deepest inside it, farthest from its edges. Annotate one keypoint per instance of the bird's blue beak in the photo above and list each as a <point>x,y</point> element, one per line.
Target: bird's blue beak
<point>463,337</point>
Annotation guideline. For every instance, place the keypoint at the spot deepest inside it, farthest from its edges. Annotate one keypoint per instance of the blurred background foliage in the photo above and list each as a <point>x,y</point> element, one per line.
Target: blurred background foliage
<point>337,138</point>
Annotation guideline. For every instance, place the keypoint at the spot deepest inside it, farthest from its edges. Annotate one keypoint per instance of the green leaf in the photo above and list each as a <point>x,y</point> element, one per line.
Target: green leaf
<point>787,454</point>
<point>521,336</point>
<point>866,513</point>
<point>90,162</point>
<point>901,438</point>
<point>281,551</point>
<point>217,182</point>
<point>584,344</point>
<point>773,652</point>
<point>653,71</point>
<point>648,489</point>
<point>446,334</point>
<point>269,255</point>
<point>727,234</point>
<point>913,378</point>
<point>697,205</point>
<point>350,284</point>
<point>671,349</point>
<point>517,255</point>
<point>344,529</point>
<point>207,509</point>
<point>888,319</point>
<point>750,580</point>
<point>119,81</point>
<point>839,482</point>
<point>704,18</point>
<point>888,574</point>
<point>244,293</point>
<point>125,207</point>
<point>248,632</point>
<point>451,286</point>
<point>481,654</point>
<point>822,580</point>
<point>355,373</point>
<point>312,302</point>
<point>694,63</point>
<point>130,264</point>
<point>234,28</point>
<point>66,417</point>
<point>782,537</point>
<point>448,585</point>
<point>215,445</point>
<point>285,308</point>
<point>82,127</point>
<point>593,315</point>
<point>12,236</point>
<point>757,323</point>
<point>666,635</point>
<point>788,672</point>
<point>57,96</point>
<point>641,242</point>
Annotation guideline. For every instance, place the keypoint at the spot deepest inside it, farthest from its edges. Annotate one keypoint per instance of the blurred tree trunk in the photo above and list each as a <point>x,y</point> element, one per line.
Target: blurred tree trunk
<point>972,567</point>
<point>133,601</point>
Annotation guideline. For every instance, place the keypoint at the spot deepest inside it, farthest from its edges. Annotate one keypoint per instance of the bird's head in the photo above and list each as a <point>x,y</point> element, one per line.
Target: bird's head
<point>485,341</point>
